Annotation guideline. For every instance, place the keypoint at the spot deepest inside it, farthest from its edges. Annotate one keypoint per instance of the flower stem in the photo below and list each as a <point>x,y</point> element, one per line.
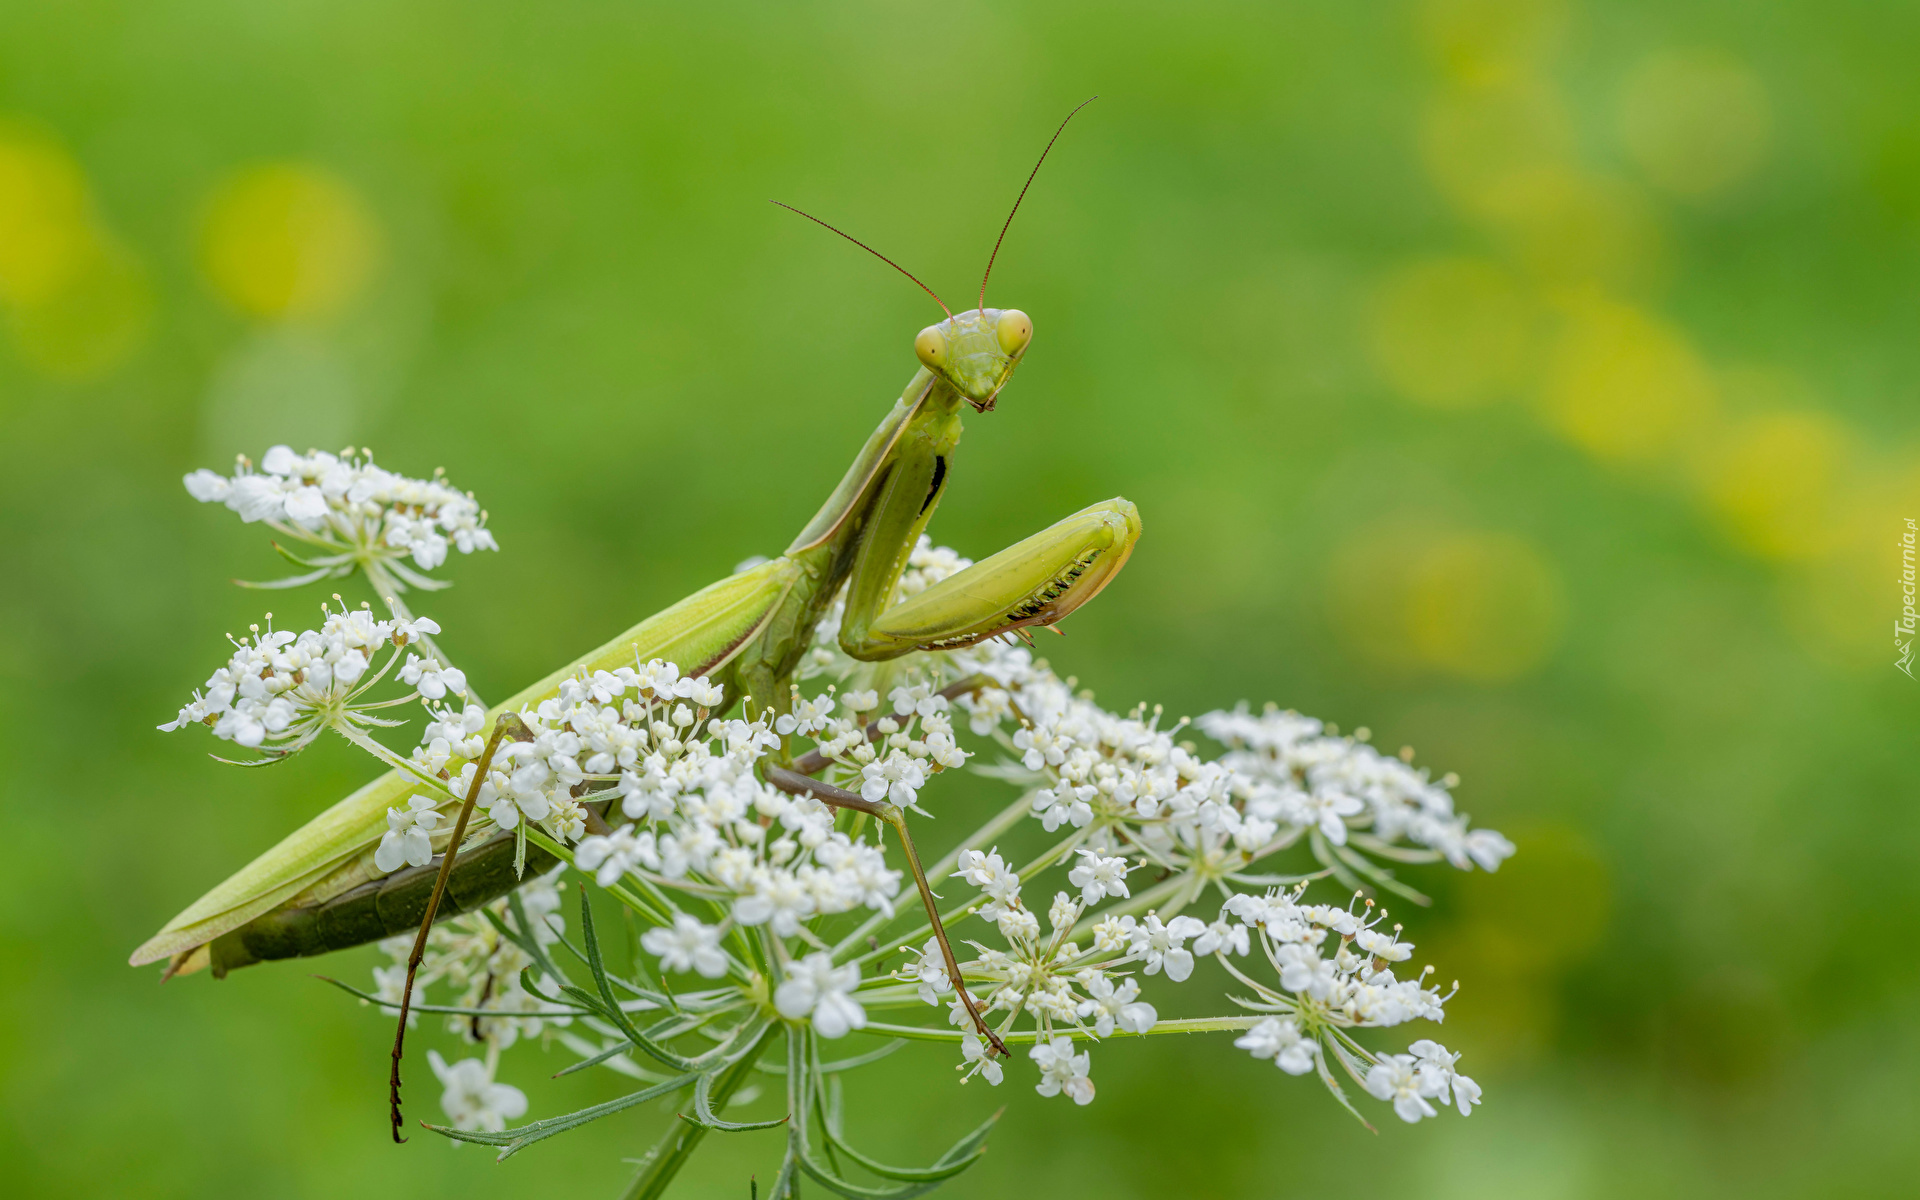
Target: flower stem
<point>388,589</point>
<point>1178,1025</point>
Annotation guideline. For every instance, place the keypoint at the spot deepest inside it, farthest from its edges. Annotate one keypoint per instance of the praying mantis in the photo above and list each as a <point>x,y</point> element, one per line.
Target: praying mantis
<point>318,889</point>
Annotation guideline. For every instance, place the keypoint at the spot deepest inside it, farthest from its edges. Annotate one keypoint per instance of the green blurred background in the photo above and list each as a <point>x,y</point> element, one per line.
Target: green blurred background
<point>1530,381</point>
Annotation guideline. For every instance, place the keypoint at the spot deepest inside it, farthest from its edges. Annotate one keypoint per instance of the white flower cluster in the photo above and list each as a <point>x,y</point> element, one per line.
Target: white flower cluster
<point>641,742</point>
<point>642,780</point>
<point>1128,794</point>
<point>472,1098</point>
<point>1283,777</point>
<point>1355,984</point>
<point>1427,1073</point>
<point>1326,990</point>
<point>1056,982</point>
<point>1314,779</point>
<point>347,504</point>
<point>282,689</point>
<point>481,968</point>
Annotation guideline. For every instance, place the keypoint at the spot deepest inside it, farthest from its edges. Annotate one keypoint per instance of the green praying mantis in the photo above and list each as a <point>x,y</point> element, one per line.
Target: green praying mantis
<point>318,890</point>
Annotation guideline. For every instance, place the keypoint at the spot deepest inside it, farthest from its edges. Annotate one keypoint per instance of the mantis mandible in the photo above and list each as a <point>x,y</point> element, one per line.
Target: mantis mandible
<point>318,890</point>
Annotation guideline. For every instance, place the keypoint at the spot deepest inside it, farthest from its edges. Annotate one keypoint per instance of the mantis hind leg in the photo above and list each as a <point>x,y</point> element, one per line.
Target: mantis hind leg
<point>1034,582</point>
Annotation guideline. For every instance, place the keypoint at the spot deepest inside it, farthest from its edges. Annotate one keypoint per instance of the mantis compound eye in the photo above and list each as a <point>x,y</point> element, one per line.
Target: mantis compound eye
<point>931,348</point>
<point>1014,331</point>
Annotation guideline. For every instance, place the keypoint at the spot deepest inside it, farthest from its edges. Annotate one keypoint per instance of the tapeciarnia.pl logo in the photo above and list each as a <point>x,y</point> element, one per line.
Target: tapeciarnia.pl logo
<point>1903,627</point>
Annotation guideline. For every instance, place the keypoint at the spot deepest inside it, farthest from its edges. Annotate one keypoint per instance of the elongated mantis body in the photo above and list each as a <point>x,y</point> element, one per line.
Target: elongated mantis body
<point>318,890</point>
<point>748,631</point>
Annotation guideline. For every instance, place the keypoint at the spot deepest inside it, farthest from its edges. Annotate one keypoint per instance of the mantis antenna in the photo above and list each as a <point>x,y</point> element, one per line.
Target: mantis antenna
<point>870,250</point>
<point>1018,199</point>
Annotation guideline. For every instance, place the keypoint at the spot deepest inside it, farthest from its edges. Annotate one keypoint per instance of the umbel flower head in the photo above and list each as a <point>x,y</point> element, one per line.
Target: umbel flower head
<point>357,514</point>
<point>745,889</point>
<point>1134,884</point>
<point>280,689</point>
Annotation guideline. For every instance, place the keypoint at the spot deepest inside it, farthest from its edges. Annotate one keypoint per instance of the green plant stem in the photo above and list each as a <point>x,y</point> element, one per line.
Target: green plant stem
<point>677,1145</point>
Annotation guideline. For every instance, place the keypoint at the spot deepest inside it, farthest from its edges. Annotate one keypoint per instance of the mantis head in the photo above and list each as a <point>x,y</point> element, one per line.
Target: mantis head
<point>976,351</point>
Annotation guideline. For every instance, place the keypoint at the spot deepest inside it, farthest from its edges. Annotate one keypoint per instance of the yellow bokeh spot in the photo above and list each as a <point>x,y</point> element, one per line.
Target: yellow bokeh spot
<point>1695,124</point>
<point>1771,480</point>
<point>1622,384</point>
<point>1484,606</point>
<point>1843,605</point>
<point>1479,41</point>
<point>288,240</point>
<point>99,314</point>
<point>1453,332</point>
<point>1476,605</point>
<point>44,229</point>
<point>1568,228</point>
<point>1477,139</point>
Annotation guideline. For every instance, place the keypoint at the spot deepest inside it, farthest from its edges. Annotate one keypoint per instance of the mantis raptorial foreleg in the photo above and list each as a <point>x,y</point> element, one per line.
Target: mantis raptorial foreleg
<point>1034,582</point>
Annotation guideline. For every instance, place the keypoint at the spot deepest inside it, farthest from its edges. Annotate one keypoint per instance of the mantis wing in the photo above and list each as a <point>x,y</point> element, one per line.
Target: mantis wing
<point>702,633</point>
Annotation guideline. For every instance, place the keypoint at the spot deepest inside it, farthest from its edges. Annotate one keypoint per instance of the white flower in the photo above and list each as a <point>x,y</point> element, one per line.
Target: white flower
<point>1488,848</point>
<point>1438,1078</point>
<point>1061,1070</point>
<point>1099,876</point>
<point>613,855</point>
<point>1222,937</point>
<point>688,946</point>
<point>461,730</point>
<point>406,840</point>
<point>957,1014</point>
<point>1064,804</point>
<point>861,701</point>
<point>472,1100</point>
<point>1383,946</point>
<point>1111,1006</point>
<point>1063,912</point>
<point>1043,746</point>
<point>388,982</point>
<point>918,700</point>
<point>1330,812</point>
<point>1303,970</point>
<point>1279,1038</point>
<point>779,899</point>
<point>808,717</point>
<point>974,1051</point>
<point>898,777</point>
<point>1113,934</point>
<point>432,680</point>
<point>204,485</point>
<point>1161,946</point>
<point>413,629</point>
<point>989,873</point>
<point>351,507</point>
<point>566,819</point>
<point>1017,924</point>
<point>814,985</point>
<point>931,972</point>
<point>702,691</point>
<point>1394,1078</point>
